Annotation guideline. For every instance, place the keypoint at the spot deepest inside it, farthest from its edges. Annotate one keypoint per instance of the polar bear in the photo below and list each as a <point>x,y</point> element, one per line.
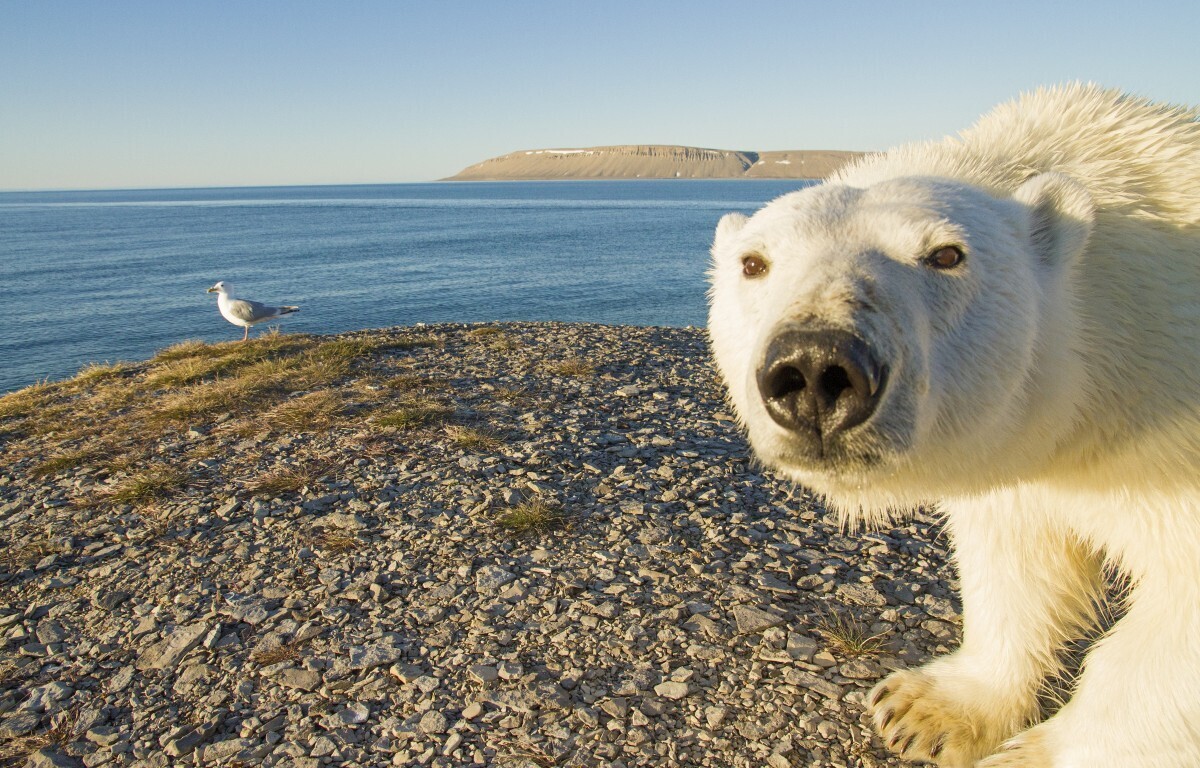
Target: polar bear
<point>1006,322</point>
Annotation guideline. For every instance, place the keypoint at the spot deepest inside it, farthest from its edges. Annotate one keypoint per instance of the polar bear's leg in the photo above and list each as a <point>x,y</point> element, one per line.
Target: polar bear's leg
<point>1137,704</point>
<point>1027,587</point>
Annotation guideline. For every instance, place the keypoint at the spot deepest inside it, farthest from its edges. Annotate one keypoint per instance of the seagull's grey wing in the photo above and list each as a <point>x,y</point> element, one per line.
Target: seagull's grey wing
<point>251,311</point>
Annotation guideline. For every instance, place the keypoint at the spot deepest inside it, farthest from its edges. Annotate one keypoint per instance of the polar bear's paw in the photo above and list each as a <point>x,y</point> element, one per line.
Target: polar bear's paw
<point>919,722</point>
<point>1024,751</point>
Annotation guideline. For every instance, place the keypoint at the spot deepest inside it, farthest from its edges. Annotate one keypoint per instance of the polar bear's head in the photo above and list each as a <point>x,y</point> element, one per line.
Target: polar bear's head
<point>887,345</point>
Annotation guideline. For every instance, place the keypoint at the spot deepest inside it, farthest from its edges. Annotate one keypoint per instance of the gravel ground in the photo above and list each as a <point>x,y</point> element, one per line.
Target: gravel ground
<point>574,562</point>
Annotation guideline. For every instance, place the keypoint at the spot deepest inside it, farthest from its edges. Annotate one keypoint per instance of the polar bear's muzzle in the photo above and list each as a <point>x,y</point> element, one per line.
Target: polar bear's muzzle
<point>818,384</point>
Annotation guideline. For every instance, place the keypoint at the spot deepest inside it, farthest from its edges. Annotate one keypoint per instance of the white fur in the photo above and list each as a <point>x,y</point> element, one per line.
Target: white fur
<point>1046,393</point>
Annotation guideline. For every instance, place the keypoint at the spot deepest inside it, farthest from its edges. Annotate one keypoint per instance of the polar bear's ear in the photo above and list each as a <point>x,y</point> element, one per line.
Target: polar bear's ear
<point>729,225</point>
<point>1061,213</point>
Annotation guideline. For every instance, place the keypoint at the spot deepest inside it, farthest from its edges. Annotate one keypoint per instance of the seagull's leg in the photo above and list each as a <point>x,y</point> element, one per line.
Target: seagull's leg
<point>245,332</point>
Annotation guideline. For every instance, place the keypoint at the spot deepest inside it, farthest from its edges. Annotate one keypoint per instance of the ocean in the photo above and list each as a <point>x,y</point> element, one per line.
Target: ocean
<point>108,276</point>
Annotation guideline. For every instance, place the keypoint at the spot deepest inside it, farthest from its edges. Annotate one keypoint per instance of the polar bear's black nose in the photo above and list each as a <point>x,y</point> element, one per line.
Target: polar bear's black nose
<point>818,383</point>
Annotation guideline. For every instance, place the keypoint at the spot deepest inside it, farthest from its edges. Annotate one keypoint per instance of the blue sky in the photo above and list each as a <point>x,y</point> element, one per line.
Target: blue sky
<point>151,94</point>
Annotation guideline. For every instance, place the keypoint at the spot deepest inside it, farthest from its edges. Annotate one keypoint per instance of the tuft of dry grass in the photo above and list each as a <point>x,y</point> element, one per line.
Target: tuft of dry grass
<point>193,361</point>
<point>513,395</point>
<point>189,370</point>
<point>125,463</point>
<point>415,413</point>
<point>57,419</point>
<point>502,343</point>
<point>66,460</point>
<point>473,438</point>
<point>336,542</point>
<point>573,366</point>
<point>847,636</point>
<point>484,332</point>
<point>493,338</point>
<point>312,372</point>
<point>95,373</point>
<point>188,348</point>
<point>533,516</point>
<point>151,484</point>
<point>25,402</point>
<point>409,382</point>
<point>110,396</point>
<point>235,395</point>
<point>346,350</point>
<point>316,410</point>
<point>291,478</point>
<point>269,656</point>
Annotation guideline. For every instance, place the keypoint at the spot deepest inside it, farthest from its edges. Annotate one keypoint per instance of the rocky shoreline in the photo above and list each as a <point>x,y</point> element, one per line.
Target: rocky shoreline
<point>518,544</point>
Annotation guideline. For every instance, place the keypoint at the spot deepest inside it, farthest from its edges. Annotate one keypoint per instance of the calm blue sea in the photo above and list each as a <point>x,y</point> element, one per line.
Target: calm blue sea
<point>117,275</point>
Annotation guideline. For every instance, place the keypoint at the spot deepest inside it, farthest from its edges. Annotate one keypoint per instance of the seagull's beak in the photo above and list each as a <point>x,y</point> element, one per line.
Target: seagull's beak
<point>212,290</point>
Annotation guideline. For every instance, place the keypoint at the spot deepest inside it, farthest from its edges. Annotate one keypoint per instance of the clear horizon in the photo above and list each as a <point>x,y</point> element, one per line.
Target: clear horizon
<point>146,95</point>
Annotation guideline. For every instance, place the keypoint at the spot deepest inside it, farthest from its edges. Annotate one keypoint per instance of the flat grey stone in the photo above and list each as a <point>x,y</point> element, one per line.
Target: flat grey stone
<point>167,653</point>
<point>715,716</point>
<point>518,701</point>
<point>940,608</point>
<point>370,656</point>
<point>110,600</point>
<point>49,758</point>
<point>484,673</point>
<point>672,690</point>
<point>222,752</point>
<point>121,680</point>
<point>750,619</point>
<point>299,679</point>
<point>860,669</point>
<point>185,743</point>
<point>433,722</point>
<point>861,594</point>
<point>19,724</point>
<point>758,729</point>
<point>489,578</point>
<point>801,647</point>
<point>812,682</point>
<point>247,608</point>
<point>354,714</point>
<point>104,735</point>
<point>344,521</point>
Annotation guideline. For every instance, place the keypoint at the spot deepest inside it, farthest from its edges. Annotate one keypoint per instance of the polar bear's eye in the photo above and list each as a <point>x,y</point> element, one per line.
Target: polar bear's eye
<point>945,257</point>
<point>753,265</point>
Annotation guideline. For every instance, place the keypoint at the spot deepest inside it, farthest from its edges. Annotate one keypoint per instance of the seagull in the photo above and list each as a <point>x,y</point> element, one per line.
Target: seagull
<point>244,312</point>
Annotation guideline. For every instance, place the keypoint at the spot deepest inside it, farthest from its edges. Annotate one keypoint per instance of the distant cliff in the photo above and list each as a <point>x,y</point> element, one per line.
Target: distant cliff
<point>638,161</point>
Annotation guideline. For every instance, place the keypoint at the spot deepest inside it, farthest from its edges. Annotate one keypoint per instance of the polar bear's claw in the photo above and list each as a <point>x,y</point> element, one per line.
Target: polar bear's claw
<point>881,691</point>
<point>938,744</point>
<point>887,718</point>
